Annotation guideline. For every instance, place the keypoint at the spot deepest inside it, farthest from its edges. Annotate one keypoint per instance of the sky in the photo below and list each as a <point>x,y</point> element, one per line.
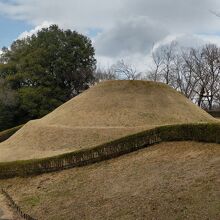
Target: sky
<point>124,29</point>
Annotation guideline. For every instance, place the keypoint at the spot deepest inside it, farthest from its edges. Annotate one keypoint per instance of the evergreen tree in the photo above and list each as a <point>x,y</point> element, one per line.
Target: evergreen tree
<point>47,69</point>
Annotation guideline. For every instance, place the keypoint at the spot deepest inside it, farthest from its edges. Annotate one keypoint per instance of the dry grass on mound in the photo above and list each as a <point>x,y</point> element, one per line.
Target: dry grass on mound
<point>64,139</point>
<point>105,112</point>
<point>177,180</point>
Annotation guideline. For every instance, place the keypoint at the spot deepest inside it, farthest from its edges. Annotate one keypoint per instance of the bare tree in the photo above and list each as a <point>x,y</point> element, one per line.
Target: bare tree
<point>194,71</point>
<point>210,54</point>
<point>126,71</point>
<point>168,56</point>
<point>155,73</point>
<point>105,74</point>
<point>188,80</point>
<point>200,74</point>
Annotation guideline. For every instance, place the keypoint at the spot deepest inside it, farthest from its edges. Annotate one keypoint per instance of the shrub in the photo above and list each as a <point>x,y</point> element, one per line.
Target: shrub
<point>4,135</point>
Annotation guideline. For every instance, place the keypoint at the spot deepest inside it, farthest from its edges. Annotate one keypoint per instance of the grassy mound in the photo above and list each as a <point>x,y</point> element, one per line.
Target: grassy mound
<point>106,112</point>
<point>178,180</point>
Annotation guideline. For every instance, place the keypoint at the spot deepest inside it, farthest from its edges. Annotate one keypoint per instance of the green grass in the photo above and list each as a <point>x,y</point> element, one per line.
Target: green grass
<point>32,201</point>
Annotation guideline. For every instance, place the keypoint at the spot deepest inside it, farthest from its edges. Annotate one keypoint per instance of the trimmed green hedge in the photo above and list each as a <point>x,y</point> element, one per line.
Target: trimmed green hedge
<point>182,132</point>
<point>214,113</point>
<point>4,135</point>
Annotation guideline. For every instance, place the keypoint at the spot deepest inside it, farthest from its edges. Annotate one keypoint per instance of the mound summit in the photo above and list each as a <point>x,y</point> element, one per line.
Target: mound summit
<point>105,112</point>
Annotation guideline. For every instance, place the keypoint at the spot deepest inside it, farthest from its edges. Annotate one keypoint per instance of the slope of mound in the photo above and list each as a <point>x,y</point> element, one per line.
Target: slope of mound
<point>177,180</point>
<point>105,112</point>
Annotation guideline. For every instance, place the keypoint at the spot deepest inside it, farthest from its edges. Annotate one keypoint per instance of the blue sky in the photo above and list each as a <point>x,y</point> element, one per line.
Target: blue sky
<point>11,29</point>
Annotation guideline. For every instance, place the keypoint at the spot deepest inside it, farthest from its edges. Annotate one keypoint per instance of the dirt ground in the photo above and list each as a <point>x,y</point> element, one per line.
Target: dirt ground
<point>168,181</point>
<point>6,212</point>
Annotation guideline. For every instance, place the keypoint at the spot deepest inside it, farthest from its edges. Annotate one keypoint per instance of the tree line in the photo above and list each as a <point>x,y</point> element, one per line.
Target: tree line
<point>195,72</point>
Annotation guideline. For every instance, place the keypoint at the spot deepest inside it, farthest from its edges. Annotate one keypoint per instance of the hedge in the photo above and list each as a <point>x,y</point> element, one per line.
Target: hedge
<point>4,135</point>
<point>215,113</point>
<point>182,132</point>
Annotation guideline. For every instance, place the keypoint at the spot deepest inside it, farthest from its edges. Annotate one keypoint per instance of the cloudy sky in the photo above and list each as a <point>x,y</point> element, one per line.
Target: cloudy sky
<point>120,29</point>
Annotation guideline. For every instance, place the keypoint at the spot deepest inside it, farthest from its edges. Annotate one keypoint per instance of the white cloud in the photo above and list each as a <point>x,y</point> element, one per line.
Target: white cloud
<point>210,38</point>
<point>25,34</point>
<point>128,28</point>
<point>135,35</point>
<point>143,61</point>
<point>77,14</point>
